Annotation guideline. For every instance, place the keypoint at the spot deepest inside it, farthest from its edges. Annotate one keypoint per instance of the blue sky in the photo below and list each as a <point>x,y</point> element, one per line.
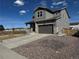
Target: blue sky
<point>14,13</point>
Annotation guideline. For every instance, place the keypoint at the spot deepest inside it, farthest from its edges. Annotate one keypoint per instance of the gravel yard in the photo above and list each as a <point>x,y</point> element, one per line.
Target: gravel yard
<point>51,47</point>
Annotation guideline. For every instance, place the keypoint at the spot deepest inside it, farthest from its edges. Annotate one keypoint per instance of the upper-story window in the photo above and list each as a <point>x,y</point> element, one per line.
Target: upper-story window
<point>40,13</point>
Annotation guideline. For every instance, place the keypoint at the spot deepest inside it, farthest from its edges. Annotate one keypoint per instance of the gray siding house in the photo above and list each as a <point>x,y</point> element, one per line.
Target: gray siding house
<point>49,21</point>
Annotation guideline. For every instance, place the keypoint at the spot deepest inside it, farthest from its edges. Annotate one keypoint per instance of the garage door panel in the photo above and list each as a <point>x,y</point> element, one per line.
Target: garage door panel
<point>46,29</point>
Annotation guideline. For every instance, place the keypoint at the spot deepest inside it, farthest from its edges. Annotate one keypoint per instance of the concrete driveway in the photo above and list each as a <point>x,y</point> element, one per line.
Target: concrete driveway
<point>5,53</point>
<point>15,42</point>
<point>6,45</point>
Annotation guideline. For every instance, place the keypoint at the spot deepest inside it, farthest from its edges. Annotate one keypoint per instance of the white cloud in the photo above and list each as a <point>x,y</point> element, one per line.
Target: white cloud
<point>43,3</point>
<point>65,3</point>
<point>19,2</point>
<point>59,3</point>
<point>51,6</point>
<point>22,12</point>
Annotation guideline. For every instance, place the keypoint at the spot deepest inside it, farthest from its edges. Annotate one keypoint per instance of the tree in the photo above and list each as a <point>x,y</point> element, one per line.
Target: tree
<point>1,28</point>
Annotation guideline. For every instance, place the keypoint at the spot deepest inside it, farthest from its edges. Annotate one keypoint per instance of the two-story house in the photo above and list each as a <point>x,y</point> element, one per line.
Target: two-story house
<point>49,21</point>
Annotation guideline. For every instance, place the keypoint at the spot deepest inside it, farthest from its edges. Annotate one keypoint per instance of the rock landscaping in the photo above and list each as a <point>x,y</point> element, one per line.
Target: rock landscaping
<point>51,47</point>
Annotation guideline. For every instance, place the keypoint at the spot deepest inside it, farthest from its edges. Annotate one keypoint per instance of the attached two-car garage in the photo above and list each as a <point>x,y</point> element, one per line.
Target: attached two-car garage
<point>48,29</point>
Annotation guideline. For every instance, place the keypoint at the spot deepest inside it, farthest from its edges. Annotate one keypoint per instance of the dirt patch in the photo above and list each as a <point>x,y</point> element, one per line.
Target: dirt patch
<point>4,37</point>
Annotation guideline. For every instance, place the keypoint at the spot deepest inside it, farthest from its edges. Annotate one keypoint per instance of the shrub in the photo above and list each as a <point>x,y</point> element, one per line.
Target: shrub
<point>76,34</point>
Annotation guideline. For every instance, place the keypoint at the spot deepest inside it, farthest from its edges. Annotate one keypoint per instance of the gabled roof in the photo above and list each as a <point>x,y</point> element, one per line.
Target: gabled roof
<point>51,10</point>
<point>44,8</point>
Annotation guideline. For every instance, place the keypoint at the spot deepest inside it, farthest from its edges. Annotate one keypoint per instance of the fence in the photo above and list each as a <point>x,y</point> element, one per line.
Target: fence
<point>12,32</point>
<point>69,32</point>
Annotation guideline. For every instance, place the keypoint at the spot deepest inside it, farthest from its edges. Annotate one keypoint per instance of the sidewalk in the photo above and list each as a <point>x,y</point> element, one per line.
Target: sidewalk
<point>5,53</point>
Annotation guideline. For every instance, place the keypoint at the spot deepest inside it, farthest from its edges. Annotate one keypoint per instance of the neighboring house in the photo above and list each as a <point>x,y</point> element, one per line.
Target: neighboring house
<point>49,21</point>
<point>19,29</point>
<point>74,25</point>
<point>8,30</point>
<point>16,29</point>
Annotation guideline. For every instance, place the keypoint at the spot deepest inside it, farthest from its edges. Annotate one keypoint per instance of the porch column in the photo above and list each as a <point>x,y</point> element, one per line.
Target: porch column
<point>36,27</point>
<point>31,27</point>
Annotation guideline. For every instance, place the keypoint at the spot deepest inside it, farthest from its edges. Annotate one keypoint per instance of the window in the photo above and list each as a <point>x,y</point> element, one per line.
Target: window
<point>40,13</point>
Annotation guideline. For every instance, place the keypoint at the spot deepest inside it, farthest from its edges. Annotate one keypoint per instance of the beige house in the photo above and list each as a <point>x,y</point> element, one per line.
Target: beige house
<point>49,21</point>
